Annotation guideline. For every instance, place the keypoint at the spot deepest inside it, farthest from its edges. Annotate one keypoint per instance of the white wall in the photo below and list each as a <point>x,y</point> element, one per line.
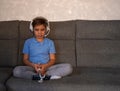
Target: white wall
<point>59,10</point>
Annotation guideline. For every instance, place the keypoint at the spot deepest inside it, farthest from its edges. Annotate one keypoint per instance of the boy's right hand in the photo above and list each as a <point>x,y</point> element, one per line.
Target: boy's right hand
<point>37,67</point>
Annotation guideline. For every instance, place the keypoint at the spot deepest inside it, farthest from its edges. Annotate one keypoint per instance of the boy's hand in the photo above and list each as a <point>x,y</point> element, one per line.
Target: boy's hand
<point>37,67</point>
<point>43,68</point>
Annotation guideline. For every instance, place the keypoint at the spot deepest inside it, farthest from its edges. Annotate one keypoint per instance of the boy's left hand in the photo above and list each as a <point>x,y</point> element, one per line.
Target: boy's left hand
<point>43,68</point>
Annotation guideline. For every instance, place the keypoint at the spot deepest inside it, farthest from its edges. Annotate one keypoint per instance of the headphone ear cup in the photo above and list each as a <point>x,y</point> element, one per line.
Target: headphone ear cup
<point>48,29</point>
<point>47,32</point>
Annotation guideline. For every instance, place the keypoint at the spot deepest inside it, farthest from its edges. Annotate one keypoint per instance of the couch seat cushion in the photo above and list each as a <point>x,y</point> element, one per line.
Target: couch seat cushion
<point>4,75</point>
<point>82,79</point>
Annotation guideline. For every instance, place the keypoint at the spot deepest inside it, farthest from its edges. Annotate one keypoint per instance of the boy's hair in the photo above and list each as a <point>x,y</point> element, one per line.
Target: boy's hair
<point>40,21</point>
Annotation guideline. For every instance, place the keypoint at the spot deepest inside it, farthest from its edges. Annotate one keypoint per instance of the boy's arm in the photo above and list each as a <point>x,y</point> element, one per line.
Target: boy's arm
<point>26,60</point>
<point>47,65</point>
<point>51,61</point>
<point>28,63</point>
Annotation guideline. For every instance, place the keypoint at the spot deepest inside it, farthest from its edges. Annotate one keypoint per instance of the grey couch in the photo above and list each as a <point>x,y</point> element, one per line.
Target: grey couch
<point>92,47</point>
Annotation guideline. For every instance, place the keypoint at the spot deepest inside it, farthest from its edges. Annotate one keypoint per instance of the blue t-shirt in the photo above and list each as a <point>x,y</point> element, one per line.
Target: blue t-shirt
<point>39,51</point>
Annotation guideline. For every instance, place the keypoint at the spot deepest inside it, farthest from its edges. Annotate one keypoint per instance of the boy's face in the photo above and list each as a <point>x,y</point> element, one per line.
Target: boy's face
<point>39,31</point>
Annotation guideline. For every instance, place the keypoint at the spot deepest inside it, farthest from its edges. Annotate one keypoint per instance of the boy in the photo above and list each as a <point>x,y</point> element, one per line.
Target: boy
<point>39,55</point>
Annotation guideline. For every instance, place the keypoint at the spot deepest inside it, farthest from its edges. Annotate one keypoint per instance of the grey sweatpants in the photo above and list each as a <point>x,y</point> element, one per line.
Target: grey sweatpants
<point>27,72</point>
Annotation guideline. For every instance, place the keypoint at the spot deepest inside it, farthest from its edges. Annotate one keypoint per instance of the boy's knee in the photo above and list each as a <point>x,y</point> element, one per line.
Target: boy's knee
<point>69,68</point>
<point>16,71</point>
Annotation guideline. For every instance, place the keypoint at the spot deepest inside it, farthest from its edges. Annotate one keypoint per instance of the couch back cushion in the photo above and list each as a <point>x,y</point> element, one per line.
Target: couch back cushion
<point>8,43</point>
<point>98,43</point>
<point>25,33</point>
<point>63,35</point>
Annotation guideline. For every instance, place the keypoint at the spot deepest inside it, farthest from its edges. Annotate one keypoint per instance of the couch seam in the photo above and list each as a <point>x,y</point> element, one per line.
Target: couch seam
<point>75,43</point>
